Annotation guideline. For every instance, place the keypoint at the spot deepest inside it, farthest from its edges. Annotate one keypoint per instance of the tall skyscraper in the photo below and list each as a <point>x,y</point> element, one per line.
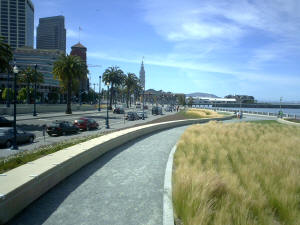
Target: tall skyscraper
<point>142,75</point>
<point>51,33</point>
<point>17,22</point>
<point>80,50</point>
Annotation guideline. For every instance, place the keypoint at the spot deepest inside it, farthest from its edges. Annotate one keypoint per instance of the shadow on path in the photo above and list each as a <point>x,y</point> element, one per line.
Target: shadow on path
<point>41,209</point>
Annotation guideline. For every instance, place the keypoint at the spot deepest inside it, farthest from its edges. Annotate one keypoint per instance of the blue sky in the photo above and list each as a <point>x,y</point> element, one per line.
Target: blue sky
<point>214,46</point>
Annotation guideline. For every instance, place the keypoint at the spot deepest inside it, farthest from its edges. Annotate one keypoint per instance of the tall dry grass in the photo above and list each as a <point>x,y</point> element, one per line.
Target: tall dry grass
<point>202,113</point>
<point>244,173</point>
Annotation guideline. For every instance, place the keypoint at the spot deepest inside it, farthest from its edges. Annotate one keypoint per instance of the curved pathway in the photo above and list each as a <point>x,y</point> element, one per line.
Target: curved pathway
<point>124,186</point>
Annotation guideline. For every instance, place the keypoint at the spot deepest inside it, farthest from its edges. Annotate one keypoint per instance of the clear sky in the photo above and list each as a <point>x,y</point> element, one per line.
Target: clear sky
<point>214,46</point>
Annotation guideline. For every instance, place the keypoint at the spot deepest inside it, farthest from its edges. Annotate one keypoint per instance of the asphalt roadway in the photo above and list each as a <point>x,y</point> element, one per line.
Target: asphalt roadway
<point>124,186</point>
<point>35,125</point>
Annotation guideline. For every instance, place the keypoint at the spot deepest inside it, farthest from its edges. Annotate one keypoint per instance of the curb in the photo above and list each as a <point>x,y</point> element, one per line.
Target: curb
<point>168,215</point>
<point>46,117</point>
<point>283,121</point>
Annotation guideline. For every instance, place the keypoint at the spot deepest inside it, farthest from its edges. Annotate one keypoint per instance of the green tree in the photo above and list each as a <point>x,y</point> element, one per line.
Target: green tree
<point>138,90</point>
<point>29,76</point>
<point>23,93</point>
<point>113,76</point>
<point>190,101</point>
<point>6,55</point>
<point>7,91</point>
<point>69,70</point>
<point>181,100</point>
<point>130,82</point>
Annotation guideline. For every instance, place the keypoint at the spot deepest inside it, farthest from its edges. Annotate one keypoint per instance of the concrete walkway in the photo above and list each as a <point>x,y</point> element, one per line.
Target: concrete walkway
<point>125,186</point>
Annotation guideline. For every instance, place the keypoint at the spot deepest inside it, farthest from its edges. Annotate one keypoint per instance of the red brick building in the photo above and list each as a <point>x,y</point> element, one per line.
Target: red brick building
<point>80,50</point>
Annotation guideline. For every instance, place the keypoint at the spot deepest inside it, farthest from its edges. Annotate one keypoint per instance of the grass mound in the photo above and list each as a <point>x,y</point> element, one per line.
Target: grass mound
<point>244,173</point>
<point>201,113</point>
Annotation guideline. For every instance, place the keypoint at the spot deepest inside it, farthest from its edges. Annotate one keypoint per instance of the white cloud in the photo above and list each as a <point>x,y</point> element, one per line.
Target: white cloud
<point>227,24</point>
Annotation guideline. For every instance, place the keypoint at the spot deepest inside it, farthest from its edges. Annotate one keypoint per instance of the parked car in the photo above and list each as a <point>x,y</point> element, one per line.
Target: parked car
<point>156,110</point>
<point>169,108</point>
<point>140,114</point>
<point>7,136</point>
<point>5,122</point>
<point>61,128</point>
<point>132,116</point>
<point>86,124</point>
<point>119,110</point>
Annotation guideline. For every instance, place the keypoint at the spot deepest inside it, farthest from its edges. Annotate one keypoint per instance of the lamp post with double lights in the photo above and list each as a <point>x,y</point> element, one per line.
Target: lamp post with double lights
<point>16,71</point>
<point>107,122</point>
<point>34,99</point>
<point>99,102</point>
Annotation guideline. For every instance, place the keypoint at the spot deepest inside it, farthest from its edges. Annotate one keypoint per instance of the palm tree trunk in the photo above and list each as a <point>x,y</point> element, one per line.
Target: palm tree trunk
<point>127,99</point>
<point>69,93</point>
<point>111,95</point>
<point>28,95</point>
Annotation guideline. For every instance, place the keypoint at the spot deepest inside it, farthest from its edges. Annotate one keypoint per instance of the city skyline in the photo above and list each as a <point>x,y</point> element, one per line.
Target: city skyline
<point>233,47</point>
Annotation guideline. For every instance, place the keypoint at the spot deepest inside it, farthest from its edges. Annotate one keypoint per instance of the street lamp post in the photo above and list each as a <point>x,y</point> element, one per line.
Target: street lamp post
<point>34,100</point>
<point>143,103</point>
<point>99,102</point>
<point>8,92</point>
<point>15,146</point>
<point>107,122</point>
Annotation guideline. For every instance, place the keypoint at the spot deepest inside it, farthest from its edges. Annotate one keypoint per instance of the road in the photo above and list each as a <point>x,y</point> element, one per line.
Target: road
<point>116,121</point>
<point>124,186</point>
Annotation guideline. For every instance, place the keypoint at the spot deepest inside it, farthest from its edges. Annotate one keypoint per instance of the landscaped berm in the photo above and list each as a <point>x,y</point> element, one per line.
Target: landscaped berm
<point>201,113</point>
<point>243,173</point>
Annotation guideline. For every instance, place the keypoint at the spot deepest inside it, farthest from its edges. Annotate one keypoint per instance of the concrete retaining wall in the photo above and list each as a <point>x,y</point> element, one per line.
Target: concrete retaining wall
<point>43,108</point>
<point>21,186</point>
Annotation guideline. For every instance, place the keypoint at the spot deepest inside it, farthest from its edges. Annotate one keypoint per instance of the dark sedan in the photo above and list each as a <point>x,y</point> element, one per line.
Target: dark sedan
<point>119,110</point>
<point>7,136</point>
<point>132,116</point>
<point>156,110</point>
<point>61,128</point>
<point>5,122</point>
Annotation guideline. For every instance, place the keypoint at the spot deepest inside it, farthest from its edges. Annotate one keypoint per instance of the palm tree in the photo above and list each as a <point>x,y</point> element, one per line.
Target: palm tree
<point>6,55</point>
<point>131,81</point>
<point>30,76</point>
<point>69,70</point>
<point>138,89</point>
<point>113,76</point>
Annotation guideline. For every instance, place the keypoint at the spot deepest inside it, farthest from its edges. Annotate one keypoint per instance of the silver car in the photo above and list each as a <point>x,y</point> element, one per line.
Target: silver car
<point>140,114</point>
<point>7,136</point>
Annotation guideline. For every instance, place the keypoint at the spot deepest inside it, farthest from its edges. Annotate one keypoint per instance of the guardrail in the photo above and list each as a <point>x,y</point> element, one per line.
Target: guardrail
<point>285,115</point>
<point>21,186</point>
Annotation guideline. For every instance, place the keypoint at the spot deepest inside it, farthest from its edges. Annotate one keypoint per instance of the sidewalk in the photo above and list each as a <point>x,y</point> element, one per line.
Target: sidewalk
<point>21,117</point>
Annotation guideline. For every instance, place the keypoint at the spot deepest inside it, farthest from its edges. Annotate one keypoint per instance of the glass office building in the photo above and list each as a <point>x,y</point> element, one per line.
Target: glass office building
<point>17,22</point>
<point>51,33</point>
<point>44,59</point>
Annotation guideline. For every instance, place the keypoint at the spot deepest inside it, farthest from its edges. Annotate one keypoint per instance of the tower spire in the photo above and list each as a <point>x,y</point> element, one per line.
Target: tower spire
<point>142,74</point>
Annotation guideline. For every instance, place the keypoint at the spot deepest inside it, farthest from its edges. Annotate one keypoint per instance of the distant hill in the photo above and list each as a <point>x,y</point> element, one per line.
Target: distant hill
<point>199,94</point>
